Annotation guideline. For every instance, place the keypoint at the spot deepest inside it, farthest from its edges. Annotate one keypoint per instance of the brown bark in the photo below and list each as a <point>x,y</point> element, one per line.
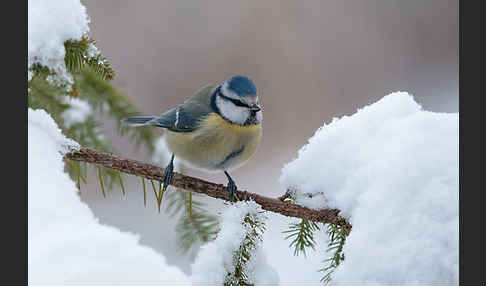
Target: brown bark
<point>219,191</point>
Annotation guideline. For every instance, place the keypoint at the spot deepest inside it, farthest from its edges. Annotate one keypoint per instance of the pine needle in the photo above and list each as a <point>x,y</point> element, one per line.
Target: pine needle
<point>156,196</point>
<point>78,181</point>
<point>144,192</point>
<point>85,171</point>
<point>121,183</point>
<point>153,188</point>
<point>161,194</point>
<point>101,181</point>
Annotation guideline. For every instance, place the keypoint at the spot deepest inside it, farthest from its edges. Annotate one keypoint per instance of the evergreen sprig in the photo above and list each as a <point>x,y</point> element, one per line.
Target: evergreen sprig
<point>337,237</point>
<point>42,95</point>
<point>82,53</point>
<point>302,235</point>
<point>255,225</point>
<point>195,225</point>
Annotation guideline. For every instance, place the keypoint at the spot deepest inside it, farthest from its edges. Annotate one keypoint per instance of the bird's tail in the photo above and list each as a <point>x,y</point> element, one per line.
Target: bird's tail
<point>136,121</point>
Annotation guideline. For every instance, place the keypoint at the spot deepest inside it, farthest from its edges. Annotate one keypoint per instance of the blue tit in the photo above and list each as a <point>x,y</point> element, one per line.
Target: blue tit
<point>217,129</point>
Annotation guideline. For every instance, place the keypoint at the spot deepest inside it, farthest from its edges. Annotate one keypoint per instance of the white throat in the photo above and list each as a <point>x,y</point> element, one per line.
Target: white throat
<point>233,113</point>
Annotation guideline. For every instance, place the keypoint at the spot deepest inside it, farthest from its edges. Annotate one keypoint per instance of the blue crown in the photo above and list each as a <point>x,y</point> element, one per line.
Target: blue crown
<point>242,86</point>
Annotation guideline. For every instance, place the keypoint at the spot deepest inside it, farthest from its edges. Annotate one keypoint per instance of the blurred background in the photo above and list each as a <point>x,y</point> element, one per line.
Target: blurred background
<point>310,60</point>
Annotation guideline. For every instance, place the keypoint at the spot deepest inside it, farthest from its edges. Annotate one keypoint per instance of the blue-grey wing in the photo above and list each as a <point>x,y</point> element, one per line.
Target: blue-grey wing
<point>180,119</point>
<point>186,117</point>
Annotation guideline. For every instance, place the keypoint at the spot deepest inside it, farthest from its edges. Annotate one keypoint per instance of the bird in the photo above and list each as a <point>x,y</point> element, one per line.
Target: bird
<point>217,129</point>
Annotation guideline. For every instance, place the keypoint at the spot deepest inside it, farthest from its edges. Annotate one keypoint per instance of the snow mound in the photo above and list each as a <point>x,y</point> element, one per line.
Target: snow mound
<point>393,170</point>
<point>66,243</point>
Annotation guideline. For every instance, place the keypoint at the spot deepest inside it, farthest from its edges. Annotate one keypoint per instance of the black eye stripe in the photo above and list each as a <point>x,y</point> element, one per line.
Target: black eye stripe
<point>235,101</point>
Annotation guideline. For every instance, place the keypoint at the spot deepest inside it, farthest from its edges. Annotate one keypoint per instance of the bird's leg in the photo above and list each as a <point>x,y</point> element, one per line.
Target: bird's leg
<point>231,187</point>
<point>168,172</point>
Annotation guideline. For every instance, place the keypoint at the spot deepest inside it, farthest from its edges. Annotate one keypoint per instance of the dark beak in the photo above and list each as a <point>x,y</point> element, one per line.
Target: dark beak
<point>255,108</point>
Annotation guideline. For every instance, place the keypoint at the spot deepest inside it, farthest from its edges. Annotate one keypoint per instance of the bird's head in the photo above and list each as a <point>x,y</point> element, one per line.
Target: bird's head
<point>237,101</point>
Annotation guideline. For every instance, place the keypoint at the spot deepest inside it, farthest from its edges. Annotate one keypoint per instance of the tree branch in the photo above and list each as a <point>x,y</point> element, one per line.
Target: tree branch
<point>196,185</point>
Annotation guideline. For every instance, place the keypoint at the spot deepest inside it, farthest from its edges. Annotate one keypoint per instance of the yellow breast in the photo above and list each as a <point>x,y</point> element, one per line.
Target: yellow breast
<point>216,145</point>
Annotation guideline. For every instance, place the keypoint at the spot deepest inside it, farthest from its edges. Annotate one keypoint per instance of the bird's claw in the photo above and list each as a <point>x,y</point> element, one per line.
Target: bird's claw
<point>168,173</point>
<point>232,191</point>
<point>232,188</point>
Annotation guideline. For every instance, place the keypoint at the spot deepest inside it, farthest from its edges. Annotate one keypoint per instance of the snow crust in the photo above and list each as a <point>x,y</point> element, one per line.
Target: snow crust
<point>50,24</point>
<point>393,170</point>
<point>215,259</point>
<point>66,243</point>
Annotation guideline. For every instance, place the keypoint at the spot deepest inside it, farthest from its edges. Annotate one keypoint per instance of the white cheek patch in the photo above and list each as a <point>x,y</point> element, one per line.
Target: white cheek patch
<point>233,113</point>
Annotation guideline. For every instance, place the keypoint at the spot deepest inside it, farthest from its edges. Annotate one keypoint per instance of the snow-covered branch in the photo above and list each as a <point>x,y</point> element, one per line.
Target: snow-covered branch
<point>217,191</point>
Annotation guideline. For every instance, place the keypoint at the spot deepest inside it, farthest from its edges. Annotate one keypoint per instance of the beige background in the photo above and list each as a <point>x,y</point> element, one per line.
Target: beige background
<point>311,61</point>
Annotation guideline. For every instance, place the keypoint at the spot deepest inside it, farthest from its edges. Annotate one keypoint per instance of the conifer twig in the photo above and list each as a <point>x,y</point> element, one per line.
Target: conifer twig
<point>196,185</point>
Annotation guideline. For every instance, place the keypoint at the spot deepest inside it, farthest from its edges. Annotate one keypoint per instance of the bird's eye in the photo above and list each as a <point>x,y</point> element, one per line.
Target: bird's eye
<point>239,103</point>
<point>234,101</point>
